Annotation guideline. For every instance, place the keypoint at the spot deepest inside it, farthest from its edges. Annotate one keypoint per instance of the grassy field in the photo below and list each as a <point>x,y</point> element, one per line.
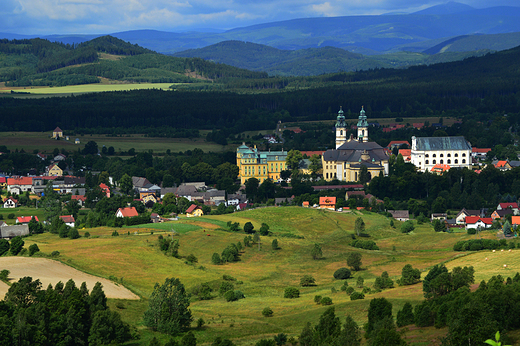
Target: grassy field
<point>42,141</point>
<point>134,259</point>
<point>20,211</point>
<point>87,88</point>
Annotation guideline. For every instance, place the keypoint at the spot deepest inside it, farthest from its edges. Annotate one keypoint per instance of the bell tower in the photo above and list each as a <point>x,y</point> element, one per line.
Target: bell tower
<point>362,126</point>
<point>341,129</point>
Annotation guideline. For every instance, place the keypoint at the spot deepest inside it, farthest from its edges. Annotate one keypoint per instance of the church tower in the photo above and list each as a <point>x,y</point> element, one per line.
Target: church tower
<point>341,129</point>
<point>362,127</point>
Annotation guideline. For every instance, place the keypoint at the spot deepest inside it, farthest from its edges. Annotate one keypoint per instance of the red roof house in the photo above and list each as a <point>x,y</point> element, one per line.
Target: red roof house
<point>510,205</point>
<point>328,202</point>
<point>26,219</point>
<point>127,212</point>
<point>105,189</point>
<point>68,220</point>
<point>478,222</point>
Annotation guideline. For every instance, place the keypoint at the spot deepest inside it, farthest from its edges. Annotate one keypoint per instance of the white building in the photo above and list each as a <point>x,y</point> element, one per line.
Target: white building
<point>451,151</point>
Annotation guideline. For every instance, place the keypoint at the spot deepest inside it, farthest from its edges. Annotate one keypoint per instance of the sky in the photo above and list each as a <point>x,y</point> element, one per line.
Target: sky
<point>45,17</point>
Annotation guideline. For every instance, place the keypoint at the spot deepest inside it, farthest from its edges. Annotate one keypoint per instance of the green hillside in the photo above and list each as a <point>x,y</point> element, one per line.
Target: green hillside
<point>37,62</point>
<point>262,273</point>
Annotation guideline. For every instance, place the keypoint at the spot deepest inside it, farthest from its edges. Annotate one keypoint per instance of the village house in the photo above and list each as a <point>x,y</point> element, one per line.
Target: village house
<point>24,220</point>
<point>194,210</point>
<point>105,189</point>
<point>477,222</point>
<point>328,203</point>
<point>3,182</point>
<point>80,198</point>
<point>460,219</point>
<point>127,212</point>
<point>10,202</point>
<point>439,216</point>
<point>68,220</point>
<point>9,232</point>
<point>501,214</point>
<point>305,204</point>
<point>400,215</point>
<point>54,171</point>
<point>19,185</point>
<point>479,153</point>
<point>515,221</point>
<point>57,133</point>
<point>508,205</point>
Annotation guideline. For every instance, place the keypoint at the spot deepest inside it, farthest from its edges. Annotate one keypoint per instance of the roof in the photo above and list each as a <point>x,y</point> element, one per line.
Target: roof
<point>335,187</point>
<point>310,153</point>
<point>512,205</point>
<point>353,150</point>
<point>104,186</point>
<point>400,214</point>
<point>26,219</point>
<point>13,231</point>
<point>19,181</point>
<point>57,129</point>
<point>405,152</point>
<point>442,143</point>
<point>305,203</point>
<point>468,212</point>
<point>71,180</point>
<point>191,209</point>
<point>396,143</point>
<point>10,198</point>
<point>480,150</point>
<point>515,220</point>
<point>67,218</point>
<point>440,167</point>
<point>79,197</point>
<point>140,182</point>
<point>327,200</point>
<point>475,219</point>
<point>128,212</point>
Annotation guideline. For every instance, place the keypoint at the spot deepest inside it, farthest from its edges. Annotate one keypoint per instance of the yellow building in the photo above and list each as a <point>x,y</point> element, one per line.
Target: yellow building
<point>55,171</point>
<point>345,162</point>
<point>261,165</point>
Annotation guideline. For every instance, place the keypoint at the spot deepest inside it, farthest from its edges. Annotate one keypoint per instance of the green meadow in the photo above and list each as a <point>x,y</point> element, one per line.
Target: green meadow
<point>89,88</point>
<point>134,259</point>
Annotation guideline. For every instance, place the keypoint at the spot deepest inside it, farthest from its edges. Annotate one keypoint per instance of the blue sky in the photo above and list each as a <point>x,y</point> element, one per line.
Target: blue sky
<point>42,17</point>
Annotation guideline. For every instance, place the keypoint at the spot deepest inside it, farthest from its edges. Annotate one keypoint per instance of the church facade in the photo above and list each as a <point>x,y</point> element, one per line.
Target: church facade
<point>345,162</point>
<point>427,152</point>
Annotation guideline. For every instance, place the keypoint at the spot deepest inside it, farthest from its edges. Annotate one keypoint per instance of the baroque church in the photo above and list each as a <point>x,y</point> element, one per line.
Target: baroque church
<point>345,162</point>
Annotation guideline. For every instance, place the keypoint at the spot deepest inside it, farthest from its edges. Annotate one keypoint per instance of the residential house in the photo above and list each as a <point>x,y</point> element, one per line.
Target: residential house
<point>3,182</point>
<point>10,202</point>
<point>194,210</point>
<point>2,224</point>
<point>54,171</point>
<point>439,216</point>
<point>9,232</point>
<point>328,203</point>
<point>105,189</point>
<point>515,220</point>
<point>305,204</point>
<point>24,220</point>
<point>59,157</point>
<point>148,197</point>
<point>406,154</point>
<point>80,198</point>
<point>57,133</point>
<point>41,156</point>
<point>508,205</point>
<point>235,199</point>
<point>478,222</point>
<point>480,153</point>
<point>19,185</point>
<point>68,220</point>
<point>216,197</point>
<point>165,190</point>
<point>400,215</point>
<point>77,141</point>
<point>460,219</point>
<point>283,200</point>
<point>127,212</point>
<point>501,214</point>
<point>440,168</point>
<point>185,191</point>
<point>429,151</point>
<point>337,187</point>
<point>394,144</point>
<point>155,218</point>
<point>142,184</point>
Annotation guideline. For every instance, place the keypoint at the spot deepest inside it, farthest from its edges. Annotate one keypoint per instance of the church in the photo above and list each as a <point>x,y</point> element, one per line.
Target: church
<point>345,162</point>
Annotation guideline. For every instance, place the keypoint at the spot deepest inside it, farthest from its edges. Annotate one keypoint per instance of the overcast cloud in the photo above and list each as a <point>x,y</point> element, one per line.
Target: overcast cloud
<point>107,16</point>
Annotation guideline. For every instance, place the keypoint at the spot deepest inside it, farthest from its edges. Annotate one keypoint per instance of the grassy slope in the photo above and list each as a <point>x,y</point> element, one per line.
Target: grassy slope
<point>266,273</point>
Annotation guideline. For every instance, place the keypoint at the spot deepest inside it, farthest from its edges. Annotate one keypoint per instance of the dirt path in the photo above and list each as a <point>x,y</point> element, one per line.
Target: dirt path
<point>51,272</point>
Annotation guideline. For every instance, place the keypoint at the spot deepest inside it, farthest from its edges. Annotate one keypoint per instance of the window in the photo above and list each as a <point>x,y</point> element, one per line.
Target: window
<point>341,132</point>
<point>327,175</point>
<point>426,155</point>
<point>463,154</point>
<point>449,161</point>
<point>434,155</point>
<point>441,155</point>
<point>456,161</point>
<point>463,160</point>
<point>427,162</point>
<point>434,161</point>
<point>442,161</point>
<point>449,155</point>
<point>456,155</point>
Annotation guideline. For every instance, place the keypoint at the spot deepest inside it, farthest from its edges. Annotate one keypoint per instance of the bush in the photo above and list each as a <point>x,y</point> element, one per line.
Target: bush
<point>191,259</point>
<point>316,252</point>
<point>4,246</point>
<point>225,286</point>
<point>364,244</point>
<point>11,216</point>
<point>472,231</point>
<point>33,248</point>
<point>215,259</point>
<point>274,244</point>
<point>232,296</point>
<point>349,290</point>
<point>357,296</point>
<point>4,275</point>
<point>326,301</point>
<point>407,226</point>
<point>227,277</point>
<point>342,274</point>
<point>307,281</point>
<point>291,292</point>
<point>267,312</point>
<point>317,299</point>
<point>115,233</point>
<point>55,254</point>
<point>74,234</point>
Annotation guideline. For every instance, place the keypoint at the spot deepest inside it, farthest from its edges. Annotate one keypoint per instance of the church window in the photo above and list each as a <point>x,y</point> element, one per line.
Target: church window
<point>449,155</point>
<point>456,155</point>
<point>434,161</point>
<point>442,161</point>
<point>327,175</point>
<point>355,176</point>
<point>427,162</point>
<point>456,161</point>
<point>434,155</point>
<point>449,161</point>
<point>441,155</point>
<point>426,155</point>
<point>463,160</point>
<point>463,154</point>
<point>341,132</point>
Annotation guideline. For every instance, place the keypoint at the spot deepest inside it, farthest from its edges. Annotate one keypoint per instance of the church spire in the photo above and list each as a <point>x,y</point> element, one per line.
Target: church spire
<point>362,126</point>
<point>341,128</point>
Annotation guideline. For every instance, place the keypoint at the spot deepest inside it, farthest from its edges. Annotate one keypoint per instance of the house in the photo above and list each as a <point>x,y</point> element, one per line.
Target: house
<point>440,168</point>
<point>328,203</point>
<point>155,218</point>
<point>105,189</point>
<point>76,141</point>
<point>429,151</point>
<point>127,212</point>
<point>501,214</point>
<point>68,220</point>
<point>59,157</point>
<point>57,133</point>
<point>406,154</point>
<point>142,184</point>
<point>3,182</point>
<point>9,232</point>
<point>397,144</point>
<point>19,185</point>
<point>282,200</point>
<point>235,199</point>
<point>41,156</point>
<point>24,220</point>
<point>480,153</point>
<point>502,165</point>
<point>54,171</point>
<point>80,198</point>
<point>509,205</point>
<point>216,197</point>
<point>439,216</point>
<point>194,210</point>
<point>148,197</point>
<point>10,202</point>
<point>400,215</point>
<point>478,222</point>
<point>305,204</point>
<point>185,191</point>
<point>515,220</point>
<point>461,216</point>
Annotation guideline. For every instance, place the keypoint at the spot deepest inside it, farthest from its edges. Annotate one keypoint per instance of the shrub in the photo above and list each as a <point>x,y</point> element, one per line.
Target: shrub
<point>357,296</point>
<point>200,323</point>
<point>326,301</point>
<point>383,281</point>
<point>274,244</point>
<point>316,252</point>
<point>307,281</point>
<point>364,244</point>
<point>342,274</point>
<point>33,248</point>
<point>10,216</point>
<point>472,231</point>
<point>407,226</point>
<point>55,253</point>
<point>317,299</point>
<point>4,246</point>
<point>215,259</point>
<point>74,234</point>
<point>267,312</point>
<point>291,292</point>
<point>360,282</point>
<point>227,277</point>
<point>4,275</point>
<point>115,233</point>
<point>225,286</point>
<point>191,259</point>
<point>232,296</point>
<point>349,290</point>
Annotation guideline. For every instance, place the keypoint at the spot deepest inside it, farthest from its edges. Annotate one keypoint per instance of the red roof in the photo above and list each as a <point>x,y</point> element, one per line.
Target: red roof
<point>441,167</point>
<point>306,203</point>
<point>512,205</point>
<point>67,218</point>
<point>192,208</point>
<point>3,179</point>
<point>327,200</point>
<point>310,153</point>
<point>394,143</point>
<point>11,198</point>
<point>480,150</point>
<point>26,219</point>
<point>79,197</point>
<point>128,212</point>
<point>475,219</point>
<point>57,129</point>
<point>103,186</point>
<point>19,181</point>
<point>418,125</point>
<point>500,164</point>
<point>405,152</point>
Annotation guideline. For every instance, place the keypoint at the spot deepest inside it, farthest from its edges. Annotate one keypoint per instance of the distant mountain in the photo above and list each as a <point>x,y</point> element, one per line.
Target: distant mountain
<point>467,43</point>
<point>447,8</point>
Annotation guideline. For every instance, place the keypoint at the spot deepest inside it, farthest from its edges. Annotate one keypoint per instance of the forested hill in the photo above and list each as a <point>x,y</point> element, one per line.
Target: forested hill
<point>41,62</point>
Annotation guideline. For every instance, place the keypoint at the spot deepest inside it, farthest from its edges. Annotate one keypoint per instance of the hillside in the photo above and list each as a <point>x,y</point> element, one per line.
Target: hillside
<point>38,62</point>
<point>262,274</point>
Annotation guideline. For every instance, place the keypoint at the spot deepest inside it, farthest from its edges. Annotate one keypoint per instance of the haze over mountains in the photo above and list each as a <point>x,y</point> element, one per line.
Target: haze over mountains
<point>445,32</point>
